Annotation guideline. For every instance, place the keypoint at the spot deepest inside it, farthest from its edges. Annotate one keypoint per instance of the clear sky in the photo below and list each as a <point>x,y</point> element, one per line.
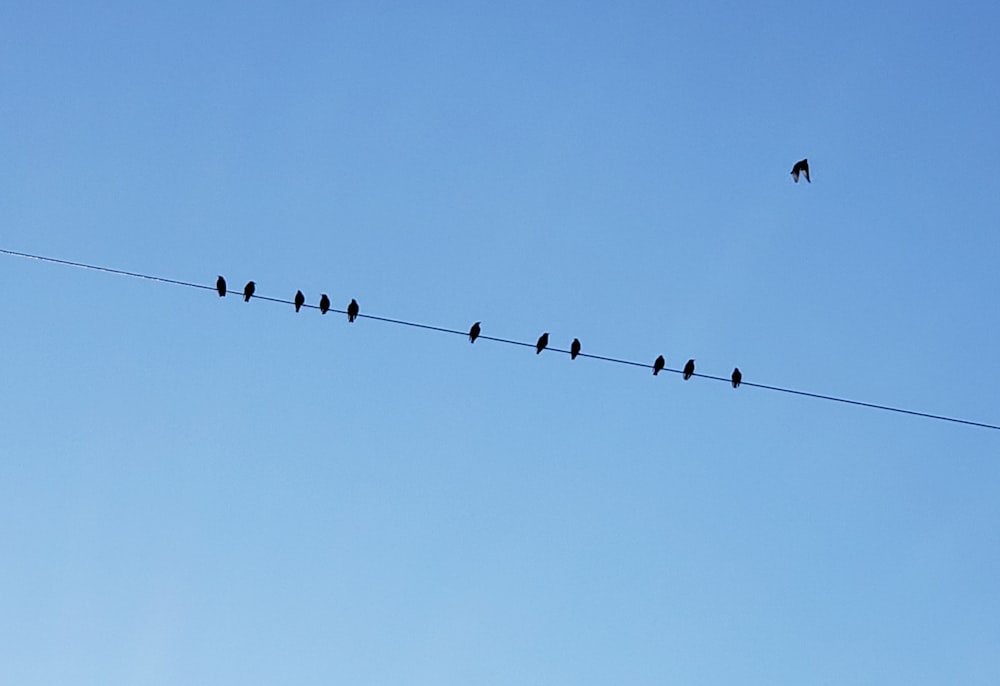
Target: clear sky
<point>196,490</point>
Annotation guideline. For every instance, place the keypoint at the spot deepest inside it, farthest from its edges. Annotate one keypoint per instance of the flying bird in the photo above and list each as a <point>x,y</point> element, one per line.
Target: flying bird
<point>474,332</point>
<point>324,304</point>
<point>352,310</point>
<point>220,286</point>
<point>689,370</point>
<point>248,291</point>
<point>574,349</point>
<point>543,341</point>
<point>737,377</point>
<point>801,167</point>
<point>300,300</point>
<point>658,365</point>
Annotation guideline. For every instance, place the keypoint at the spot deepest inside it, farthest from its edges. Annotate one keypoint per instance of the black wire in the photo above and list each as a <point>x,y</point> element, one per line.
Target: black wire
<point>108,270</point>
<point>507,341</point>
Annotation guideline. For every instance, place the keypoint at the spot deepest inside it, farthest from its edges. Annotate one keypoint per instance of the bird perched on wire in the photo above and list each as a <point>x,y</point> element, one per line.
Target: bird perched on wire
<point>352,310</point>
<point>248,291</point>
<point>658,365</point>
<point>543,341</point>
<point>574,349</point>
<point>737,377</point>
<point>801,167</point>
<point>474,332</point>
<point>300,300</point>
<point>220,286</point>
<point>689,370</point>
<point>324,303</point>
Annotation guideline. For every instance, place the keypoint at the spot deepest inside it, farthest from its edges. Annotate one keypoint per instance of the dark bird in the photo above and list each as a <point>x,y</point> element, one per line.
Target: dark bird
<point>658,365</point>
<point>324,304</point>
<point>574,349</point>
<point>689,370</point>
<point>248,291</point>
<point>543,341</point>
<point>474,332</point>
<point>801,167</point>
<point>352,310</point>
<point>220,286</point>
<point>300,300</point>
<point>737,377</point>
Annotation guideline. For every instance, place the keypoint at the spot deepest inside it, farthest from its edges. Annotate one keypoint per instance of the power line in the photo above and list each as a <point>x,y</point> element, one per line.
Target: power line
<point>508,341</point>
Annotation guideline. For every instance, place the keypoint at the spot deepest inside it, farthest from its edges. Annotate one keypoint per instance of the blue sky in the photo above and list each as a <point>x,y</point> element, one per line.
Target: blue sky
<point>195,490</point>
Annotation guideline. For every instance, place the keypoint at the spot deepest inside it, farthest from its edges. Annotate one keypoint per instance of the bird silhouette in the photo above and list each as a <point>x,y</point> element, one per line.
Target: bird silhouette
<point>737,377</point>
<point>689,370</point>
<point>220,286</point>
<point>248,291</point>
<point>543,341</point>
<point>324,304</point>
<point>802,166</point>
<point>300,300</point>
<point>658,365</point>
<point>574,349</point>
<point>352,310</point>
<point>474,332</point>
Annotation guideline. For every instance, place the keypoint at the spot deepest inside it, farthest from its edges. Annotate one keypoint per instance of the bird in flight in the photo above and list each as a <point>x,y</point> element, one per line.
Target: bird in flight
<point>248,291</point>
<point>220,286</point>
<point>324,303</point>
<point>300,300</point>
<point>474,332</point>
<point>737,377</point>
<point>658,365</point>
<point>352,310</point>
<point>543,341</point>
<point>574,349</point>
<point>801,167</point>
<point>689,370</point>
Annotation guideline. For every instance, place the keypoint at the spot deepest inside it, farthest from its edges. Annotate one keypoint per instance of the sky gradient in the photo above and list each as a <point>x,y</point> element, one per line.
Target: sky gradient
<point>197,490</point>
